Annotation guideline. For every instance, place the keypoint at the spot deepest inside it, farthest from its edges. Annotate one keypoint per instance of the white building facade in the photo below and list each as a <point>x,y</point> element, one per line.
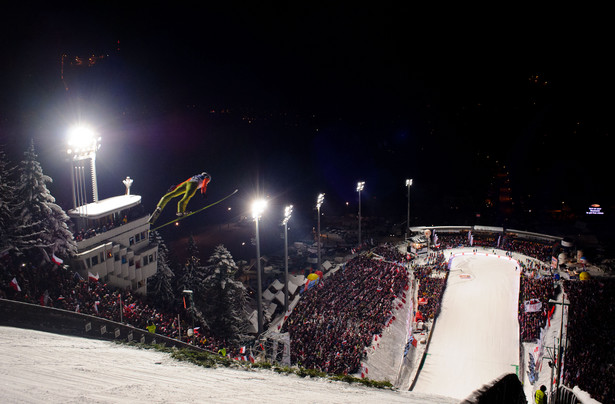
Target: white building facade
<point>113,242</point>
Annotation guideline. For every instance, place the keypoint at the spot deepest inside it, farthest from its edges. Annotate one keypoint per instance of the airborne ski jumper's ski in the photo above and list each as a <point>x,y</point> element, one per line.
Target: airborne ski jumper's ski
<point>196,211</point>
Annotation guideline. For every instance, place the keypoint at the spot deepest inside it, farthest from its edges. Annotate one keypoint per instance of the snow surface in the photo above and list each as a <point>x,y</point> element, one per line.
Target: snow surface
<point>476,337</point>
<point>39,367</point>
<point>106,206</point>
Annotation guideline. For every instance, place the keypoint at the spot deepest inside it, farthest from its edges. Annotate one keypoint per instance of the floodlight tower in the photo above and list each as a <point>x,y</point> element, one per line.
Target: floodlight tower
<point>408,184</point>
<point>258,207</point>
<point>319,201</point>
<point>287,212</point>
<point>360,186</point>
<point>83,143</point>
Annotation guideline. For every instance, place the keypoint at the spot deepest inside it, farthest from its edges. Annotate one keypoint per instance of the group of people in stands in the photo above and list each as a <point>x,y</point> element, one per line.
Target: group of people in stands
<point>333,324</point>
<point>53,286</point>
<point>389,253</point>
<point>431,279</point>
<point>589,359</point>
<point>531,248</point>
<point>530,322</point>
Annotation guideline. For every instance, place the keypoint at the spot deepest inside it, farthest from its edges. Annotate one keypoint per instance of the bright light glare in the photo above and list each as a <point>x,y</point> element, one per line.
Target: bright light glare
<point>408,182</point>
<point>360,186</point>
<point>258,207</point>
<point>82,138</point>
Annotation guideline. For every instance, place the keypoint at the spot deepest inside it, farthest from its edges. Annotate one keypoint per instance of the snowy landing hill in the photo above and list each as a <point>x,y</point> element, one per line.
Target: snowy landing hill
<point>39,367</point>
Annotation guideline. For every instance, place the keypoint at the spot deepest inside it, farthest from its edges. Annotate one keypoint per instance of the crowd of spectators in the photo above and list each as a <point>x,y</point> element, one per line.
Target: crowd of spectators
<point>389,253</point>
<point>110,223</point>
<point>532,248</point>
<point>333,324</point>
<point>431,278</point>
<point>453,240</point>
<point>93,231</point>
<point>531,322</point>
<point>540,250</point>
<point>54,286</point>
<point>589,360</point>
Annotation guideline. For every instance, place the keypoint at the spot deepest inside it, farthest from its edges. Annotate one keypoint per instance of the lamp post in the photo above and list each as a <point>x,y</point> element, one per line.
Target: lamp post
<point>319,201</point>
<point>190,293</point>
<point>287,212</point>
<point>408,184</point>
<point>82,145</point>
<point>560,348</point>
<point>258,208</point>
<point>360,186</point>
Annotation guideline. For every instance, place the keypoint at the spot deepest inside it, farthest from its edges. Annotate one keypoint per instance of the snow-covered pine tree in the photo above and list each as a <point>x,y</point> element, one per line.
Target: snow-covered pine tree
<point>191,275</point>
<point>7,203</point>
<point>42,228</point>
<point>160,288</point>
<point>223,299</point>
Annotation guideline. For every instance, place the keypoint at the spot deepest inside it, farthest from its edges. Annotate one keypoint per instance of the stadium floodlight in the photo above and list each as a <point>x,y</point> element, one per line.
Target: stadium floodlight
<point>83,143</point>
<point>408,184</point>
<point>319,201</point>
<point>287,213</point>
<point>258,207</point>
<point>360,186</point>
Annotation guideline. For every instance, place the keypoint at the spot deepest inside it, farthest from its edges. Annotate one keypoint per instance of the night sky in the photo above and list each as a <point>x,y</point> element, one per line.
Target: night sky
<point>291,101</point>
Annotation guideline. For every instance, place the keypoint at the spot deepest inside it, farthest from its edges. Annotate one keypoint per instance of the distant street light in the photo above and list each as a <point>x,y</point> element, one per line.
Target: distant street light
<point>408,184</point>
<point>287,213</point>
<point>319,201</point>
<point>82,145</point>
<point>360,186</point>
<point>258,207</point>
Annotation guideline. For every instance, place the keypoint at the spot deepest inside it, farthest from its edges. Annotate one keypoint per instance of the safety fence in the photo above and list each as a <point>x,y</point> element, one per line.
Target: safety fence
<point>58,321</point>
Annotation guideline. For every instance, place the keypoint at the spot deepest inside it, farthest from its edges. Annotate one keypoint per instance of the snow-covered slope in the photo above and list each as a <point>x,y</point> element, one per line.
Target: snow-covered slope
<point>476,337</point>
<point>38,367</point>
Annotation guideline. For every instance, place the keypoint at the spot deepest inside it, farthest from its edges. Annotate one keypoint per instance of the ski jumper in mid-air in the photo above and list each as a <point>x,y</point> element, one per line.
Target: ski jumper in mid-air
<point>187,188</point>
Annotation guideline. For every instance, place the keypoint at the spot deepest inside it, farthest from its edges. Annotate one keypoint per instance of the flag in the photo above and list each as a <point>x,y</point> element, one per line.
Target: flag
<point>242,350</point>
<point>550,314</point>
<point>78,276</point>
<point>532,305</point>
<point>56,260</point>
<point>92,277</point>
<point>15,285</point>
<point>96,303</point>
